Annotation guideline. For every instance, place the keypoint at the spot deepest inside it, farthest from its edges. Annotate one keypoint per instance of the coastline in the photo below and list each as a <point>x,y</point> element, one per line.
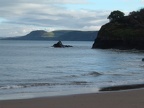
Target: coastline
<point>121,99</point>
<point>131,98</point>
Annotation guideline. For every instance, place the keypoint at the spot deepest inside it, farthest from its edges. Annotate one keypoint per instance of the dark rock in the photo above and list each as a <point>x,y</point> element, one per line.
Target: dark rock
<point>68,46</point>
<point>60,45</point>
<point>122,87</point>
<point>143,59</point>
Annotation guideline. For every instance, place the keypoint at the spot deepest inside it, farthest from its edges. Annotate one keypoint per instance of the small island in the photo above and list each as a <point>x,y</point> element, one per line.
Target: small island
<point>59,44</point>
<point>122,32</point>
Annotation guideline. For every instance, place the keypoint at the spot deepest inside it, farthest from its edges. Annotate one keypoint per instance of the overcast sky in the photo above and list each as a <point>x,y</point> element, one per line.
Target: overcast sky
<point>19,17</point>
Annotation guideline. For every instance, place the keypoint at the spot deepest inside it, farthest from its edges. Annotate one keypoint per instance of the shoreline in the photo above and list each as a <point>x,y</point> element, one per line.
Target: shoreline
<point>19,96</point>
<point>119,99</point>
<point>115,88</point>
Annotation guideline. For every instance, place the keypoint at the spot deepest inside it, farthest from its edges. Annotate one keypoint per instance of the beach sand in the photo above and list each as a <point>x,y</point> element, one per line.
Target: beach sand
<point>119,99</point>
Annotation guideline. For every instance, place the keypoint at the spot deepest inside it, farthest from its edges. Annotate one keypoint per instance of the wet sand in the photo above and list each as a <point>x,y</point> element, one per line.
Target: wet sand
<point>119,99</point>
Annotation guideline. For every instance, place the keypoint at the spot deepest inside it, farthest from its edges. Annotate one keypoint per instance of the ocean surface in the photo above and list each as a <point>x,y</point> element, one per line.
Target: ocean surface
<point>35,69</point>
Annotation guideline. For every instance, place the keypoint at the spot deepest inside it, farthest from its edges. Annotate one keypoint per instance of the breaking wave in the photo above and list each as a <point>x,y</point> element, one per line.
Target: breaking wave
<point>95,74</point>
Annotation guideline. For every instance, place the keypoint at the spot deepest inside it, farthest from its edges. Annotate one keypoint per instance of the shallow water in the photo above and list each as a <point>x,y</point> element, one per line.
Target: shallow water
<point>34,68</point>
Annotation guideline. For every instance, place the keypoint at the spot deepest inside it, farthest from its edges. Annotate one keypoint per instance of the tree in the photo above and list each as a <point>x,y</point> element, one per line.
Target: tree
<point>115,15</point>
<point>132,13</point>
<point>142,10</point>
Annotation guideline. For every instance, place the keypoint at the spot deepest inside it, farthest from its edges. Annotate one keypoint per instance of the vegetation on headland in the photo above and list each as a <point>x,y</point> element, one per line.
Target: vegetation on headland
<point>122,32</point>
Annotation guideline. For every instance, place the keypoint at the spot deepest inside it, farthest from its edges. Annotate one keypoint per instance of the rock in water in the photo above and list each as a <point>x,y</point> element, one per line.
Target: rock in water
<point>60,45</point>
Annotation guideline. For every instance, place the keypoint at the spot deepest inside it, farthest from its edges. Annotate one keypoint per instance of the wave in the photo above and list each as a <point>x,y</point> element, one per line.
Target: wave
<point>95,74</point>
<point>11,87</point>
<point>79,83</point>
<point>29,85</point>
<point>122,74</point>
<point>18,86</point>
<point>71,76</point>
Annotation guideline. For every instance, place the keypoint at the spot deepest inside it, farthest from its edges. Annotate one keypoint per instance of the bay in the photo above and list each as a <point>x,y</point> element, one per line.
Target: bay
<point>34,68</point>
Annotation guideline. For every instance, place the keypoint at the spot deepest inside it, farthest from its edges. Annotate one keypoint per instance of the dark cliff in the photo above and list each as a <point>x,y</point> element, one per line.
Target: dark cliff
<point>124,33</point>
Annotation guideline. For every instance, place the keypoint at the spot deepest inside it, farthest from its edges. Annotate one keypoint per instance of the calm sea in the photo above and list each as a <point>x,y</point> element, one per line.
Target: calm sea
<point>33,68</point>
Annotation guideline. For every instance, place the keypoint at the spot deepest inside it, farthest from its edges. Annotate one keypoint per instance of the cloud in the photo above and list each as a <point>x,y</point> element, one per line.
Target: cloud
<point>142,1</point>
<point>19,17</point>
<point>68,1</point>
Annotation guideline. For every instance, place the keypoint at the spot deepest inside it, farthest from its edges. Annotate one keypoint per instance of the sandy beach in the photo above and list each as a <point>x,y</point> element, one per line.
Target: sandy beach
<point>120,99</point>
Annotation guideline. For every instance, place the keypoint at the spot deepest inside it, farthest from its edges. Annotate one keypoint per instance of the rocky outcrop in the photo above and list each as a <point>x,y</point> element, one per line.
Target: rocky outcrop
<point>122,87</point>
<point>125,33</point>
<point>60,45</point>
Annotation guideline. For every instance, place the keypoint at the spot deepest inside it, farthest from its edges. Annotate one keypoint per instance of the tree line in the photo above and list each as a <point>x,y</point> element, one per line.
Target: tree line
<point>119,16</point>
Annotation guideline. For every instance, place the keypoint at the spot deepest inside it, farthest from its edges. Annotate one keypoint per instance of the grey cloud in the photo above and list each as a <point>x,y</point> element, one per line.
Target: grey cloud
<point>36,14</point>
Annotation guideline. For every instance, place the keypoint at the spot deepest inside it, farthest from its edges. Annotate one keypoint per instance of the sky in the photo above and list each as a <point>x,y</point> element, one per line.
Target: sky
<point>19,17</point>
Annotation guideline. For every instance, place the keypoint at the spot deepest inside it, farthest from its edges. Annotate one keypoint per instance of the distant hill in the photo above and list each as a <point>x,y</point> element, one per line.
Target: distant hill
<point>63,35</point>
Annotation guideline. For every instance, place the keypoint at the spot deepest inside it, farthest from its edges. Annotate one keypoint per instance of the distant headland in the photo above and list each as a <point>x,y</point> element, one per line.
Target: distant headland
<point>63,35</point>
<point>122,32</point>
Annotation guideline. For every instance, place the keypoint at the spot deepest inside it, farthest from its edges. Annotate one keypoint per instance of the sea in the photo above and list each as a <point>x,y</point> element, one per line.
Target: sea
<point>30,69</point>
